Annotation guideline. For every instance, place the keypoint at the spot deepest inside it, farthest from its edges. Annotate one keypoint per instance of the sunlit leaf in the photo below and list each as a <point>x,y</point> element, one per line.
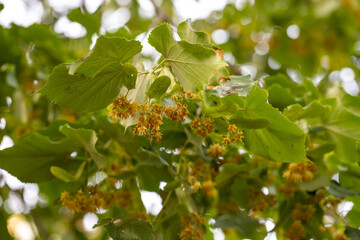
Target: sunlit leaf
<point>192,64</point>
<point>281,141</point>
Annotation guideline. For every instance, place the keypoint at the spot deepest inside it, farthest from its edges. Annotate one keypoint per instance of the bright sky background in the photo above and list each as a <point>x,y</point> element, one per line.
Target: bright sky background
<point>27,12</point>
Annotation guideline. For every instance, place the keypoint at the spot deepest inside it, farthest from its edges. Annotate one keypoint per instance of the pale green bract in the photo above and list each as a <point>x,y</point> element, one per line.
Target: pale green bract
<point>192,64</point>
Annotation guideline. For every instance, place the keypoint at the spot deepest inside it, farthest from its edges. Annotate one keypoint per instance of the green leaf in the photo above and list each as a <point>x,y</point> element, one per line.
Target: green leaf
<point>187,34</point>
<point>239,190</point>
<point>338,191</point>
<point>342,122</point>
<point>150,176</point>
<point>159,87</point>
<point>192,64</point>
<point>296,111</point>
<point>129,228</point>
<point>108,51</point>
<point>281,141</point>
<point>280,97</point>
<point>250,123</point>
<point>353,233</point>
<point>30,160</point>
<point>343,128</point>
<point>244,224</point>
<point>221,110</point>
<point>79,93</point>
<point>4,234</point>
<point>228,173</point>
<point>351,103</point>
<point>240,85</point>
<point>172,185</point>
<point>87,139</point>
<point>91,22</point>
<point>318,153</point>
<point>1,6</point>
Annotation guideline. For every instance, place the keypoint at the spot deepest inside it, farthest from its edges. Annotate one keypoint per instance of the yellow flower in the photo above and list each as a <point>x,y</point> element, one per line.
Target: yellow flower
<point>216,150</point>
<point>302,172</point>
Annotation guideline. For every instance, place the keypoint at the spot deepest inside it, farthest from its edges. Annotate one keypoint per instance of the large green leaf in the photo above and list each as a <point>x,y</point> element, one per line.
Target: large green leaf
<point>108,51</point>
<point>30,160</point>
<point>281,141</point>
<point>192,64</point>
<point>79,93</point>
<point>87,138</point>
<point>129,228</point>
<point>93,83</point>
<point>343,129</point>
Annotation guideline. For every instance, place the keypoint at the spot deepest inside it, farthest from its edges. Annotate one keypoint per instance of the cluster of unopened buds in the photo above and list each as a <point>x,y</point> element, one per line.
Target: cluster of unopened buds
<point>233,135</point>
<point>301,172</point>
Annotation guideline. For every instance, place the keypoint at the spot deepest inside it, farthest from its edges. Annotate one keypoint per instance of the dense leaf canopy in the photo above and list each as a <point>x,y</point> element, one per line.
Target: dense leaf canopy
<point>244,124</point>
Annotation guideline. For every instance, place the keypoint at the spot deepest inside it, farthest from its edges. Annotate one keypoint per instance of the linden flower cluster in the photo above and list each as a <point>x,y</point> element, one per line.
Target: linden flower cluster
<point>302,213</point>
<point>149,121</point>
<point>288,189</point>
<point>191,227</point>
<point>296,231</point>
<point>200,177</point>
<point>96,199</point>
<point>260,201</point>
<point>301,172</point>
<point>150,117</point>
<point>203,127</point>
<point>216,150</point>
<point>123,109</point>
<point>233,135</point>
